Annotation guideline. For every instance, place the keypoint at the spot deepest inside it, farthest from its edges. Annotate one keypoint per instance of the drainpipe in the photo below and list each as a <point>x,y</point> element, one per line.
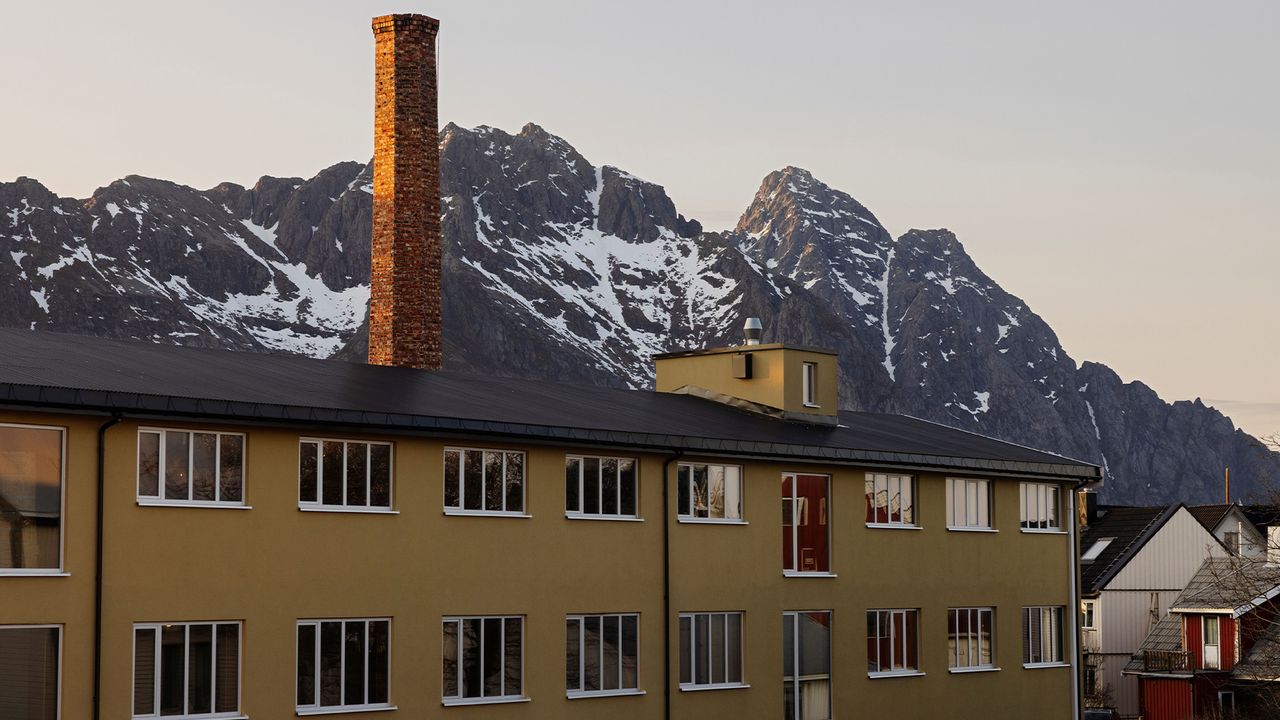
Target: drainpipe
<point>1077,651</point>
<point>97,568</point>
<point>666,583</point>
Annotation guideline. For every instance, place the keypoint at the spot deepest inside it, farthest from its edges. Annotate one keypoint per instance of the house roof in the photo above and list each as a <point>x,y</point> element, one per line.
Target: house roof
<point>1129,528</point>
<point>1209,515</point>
<point>1228,584</point>
<point>69,371</point>
<point>1262,662</point>
<point>1165,636</point>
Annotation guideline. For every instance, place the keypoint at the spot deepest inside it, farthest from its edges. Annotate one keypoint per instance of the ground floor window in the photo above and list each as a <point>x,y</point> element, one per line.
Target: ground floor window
<point>344,664</point>
<point>892,642</point>
<point>602,654</point>
<point>969,637</point>
<point>186,669</point>
<point>710,649</point>
<point>1041,635</point>
<point>30,667</point>
<point>483,659</point>
<point>806,662</point>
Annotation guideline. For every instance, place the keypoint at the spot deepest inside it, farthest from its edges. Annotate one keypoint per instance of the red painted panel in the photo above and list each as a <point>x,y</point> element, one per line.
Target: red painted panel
<point>1191,631</point>
<point>1166,699</point>
<point>1228,640</point>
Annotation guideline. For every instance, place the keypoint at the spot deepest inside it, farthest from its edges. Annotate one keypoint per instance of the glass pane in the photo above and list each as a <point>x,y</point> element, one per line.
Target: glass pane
<point>177,454</point>
<point>683,480</point>
<point>715,491</point>
<point>627,487</point>
<point>450,648</point>
<point>513,677</point>
<point>610,650</point>
<point>717,648</point>
<point>380,476</point>
<point>812,548</point>
<point>172,664</point>
<point>204,467</point>
<point>29,677</point>
<point>686,647</point>
<point>148,464</point>
<point>472,677</point>
<point>789,507</point>
<point>701,643</point>
<point>331,468</point>
<point>379,661</point>
<point>492,657</point>
<point>473,480</point>
<point>908,500</point>
<point>308,467</point>
<point>609,486</point>
<point>572,654</point>
<point>452,478</point>
<point>31,485</point>
<point>572,471</point>
<point>306,665</point>
<point>353,662</point>
<point>733,492</point>
<point>1051,508</point>
<point>357,474</point>
<point>986,620</point>
<point>231,468</point>
<point>788,645</point>
<point>984,503</point>
<point>515,482</point>
<point>330,663</point>
<point>591,654</point>
<point>144,670</point>
<point>630,652</point>
<point>591,485</point>
<point>815,643</point>
<point>493,477</point>
<point>200,669</point>
<point>733,638</point>
<point>872,498</point>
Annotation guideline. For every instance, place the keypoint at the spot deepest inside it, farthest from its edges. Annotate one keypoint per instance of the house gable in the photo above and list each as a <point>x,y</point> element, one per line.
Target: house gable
<point>1170,558</point>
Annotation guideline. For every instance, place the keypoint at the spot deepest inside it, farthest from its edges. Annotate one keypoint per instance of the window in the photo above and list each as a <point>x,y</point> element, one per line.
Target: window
<point>969,638</point>
<point>810,392</point>
<point>1088,612</point>
<point>186,670</point>
<point>190,467</point>
<point>805,538</point>
<point>1212,658</point>
<point>343,664</point>
<point>1042,635</point>
<point>483,659</point>
<point>968,504</point>
<point>602,654</point>
<point>1039,506</point>
<point>709,492</point>
<point>600,487</point>
<point>1096,549</point>
<point>31,476</point>
<point>1227,703</point>
<point>30,671</point>
<point>806,665</point>
<point>892,642</point>
<point>344,475</point>
<point>710,650</point>
<point>1231,539</point>
<point>891,500</point>
<point>483,481</point>
<point>1090,680</point>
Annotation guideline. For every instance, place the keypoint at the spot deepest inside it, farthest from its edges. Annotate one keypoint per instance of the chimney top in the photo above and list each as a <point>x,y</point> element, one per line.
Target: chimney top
<point>752,329</point>
<point>404,21</point>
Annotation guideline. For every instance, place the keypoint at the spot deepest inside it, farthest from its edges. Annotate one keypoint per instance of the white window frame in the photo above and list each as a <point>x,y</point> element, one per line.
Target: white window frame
<point>460,699</point>
<point>976,492</point>
<point>1056,615</point>
<point>809,384</point>
<point>1034,504</point>
<point>819,515</point>
<point>1089,615</point>
<point>318,709</point>
<point>692,659</point>
<point>973,638</point>
<point>1205,644</point>
<point>1227,703</point>
<point>46,626</point>
<point>793,617</point>
<point>686,514</point>
<point>582,645</point>
<point>460,508</point>
<point>580,514</point>
<point>160,500</point>
<point>894,645</point>
<point>319,505</point>
<point>157,630</point>
<point>62,508</point>
<point>886,483</point>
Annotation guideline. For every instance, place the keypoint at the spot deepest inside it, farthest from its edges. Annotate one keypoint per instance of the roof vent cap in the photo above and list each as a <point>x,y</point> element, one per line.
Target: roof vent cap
<point>752,329</point>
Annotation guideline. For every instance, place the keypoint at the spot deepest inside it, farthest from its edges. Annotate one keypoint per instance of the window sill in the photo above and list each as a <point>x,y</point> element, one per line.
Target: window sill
<point>453,702</point>
<point>602,693</point>
<point>151,502</point>
<point>485,513</point>
<point>721,686</point>
<point>968,670</point>
<point>1037,666</point>
<point>342,709</point>
<point>34,573</point>
<point>795,574</point>
<point>340,509</point>
<point>812,405</point>
<point>899,673</point>
<point>709,521</point>
<point>893,526</point>
<point>1037,531</point>
<point>607,518</point>
<point>972,529</point>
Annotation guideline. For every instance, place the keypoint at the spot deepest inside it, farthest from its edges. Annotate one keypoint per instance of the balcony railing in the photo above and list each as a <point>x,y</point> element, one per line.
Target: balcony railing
<point>1166,661</point>
<point>1089,640</point>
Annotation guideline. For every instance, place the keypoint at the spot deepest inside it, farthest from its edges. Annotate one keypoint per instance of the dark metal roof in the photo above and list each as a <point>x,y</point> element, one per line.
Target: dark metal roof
<point>1208,515</point>
<point>1227,583</point>
<point>1130,528</point>
<point>70,371</point>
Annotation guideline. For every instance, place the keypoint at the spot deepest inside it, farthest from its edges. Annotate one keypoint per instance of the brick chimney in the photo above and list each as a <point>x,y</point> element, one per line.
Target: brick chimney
<point>404,300</point>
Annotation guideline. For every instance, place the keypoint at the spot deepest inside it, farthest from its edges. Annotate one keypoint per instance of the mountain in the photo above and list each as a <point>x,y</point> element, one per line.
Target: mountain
<point>557,268</point>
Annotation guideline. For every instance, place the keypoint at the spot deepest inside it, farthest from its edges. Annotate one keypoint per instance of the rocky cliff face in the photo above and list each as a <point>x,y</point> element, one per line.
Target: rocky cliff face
<point>556,268</point>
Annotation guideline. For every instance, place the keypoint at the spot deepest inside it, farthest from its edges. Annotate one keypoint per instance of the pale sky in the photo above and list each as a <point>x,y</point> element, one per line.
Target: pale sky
<point>1116,165</point>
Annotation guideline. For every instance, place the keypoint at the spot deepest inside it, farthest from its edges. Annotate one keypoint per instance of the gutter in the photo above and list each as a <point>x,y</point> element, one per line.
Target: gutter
<point>116,417</point>
<point>666,583</point>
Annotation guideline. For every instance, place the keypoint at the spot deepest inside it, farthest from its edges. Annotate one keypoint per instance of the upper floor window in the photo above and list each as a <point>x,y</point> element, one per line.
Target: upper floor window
<point>483,481</point>
<point>810,384</point>
<point>188,670</point>
<point>891,500</point>
<point>483,659</point>
<point>343,665</point>
<point>1212,656</point>
<point>806,665</point>
<point>1042,635</point>
<point>30,666</point>
<point>709,492</point>
<point>710,650</point>
<point>1040,508</point>
<point>805,539</point>
<point>1089,614</point>
<point>969,638</point>
<point>1096,549</point>
<point>344,475</point>
<point>190,466</point>
<point>601,487</point>
<point>892,642</point>
<point>31,477</point>
<point>968,504</point>
<point>602,654</point>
